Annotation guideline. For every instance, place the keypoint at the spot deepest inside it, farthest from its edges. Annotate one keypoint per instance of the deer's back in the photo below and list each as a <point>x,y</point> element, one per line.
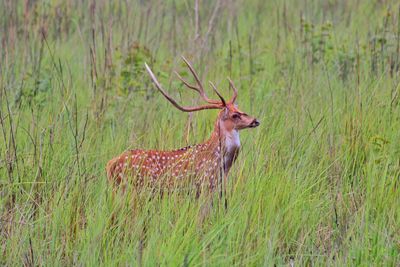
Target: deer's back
<point>167,168</point>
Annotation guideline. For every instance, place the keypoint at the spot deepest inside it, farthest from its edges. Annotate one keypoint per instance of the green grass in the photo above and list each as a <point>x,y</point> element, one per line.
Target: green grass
<point>316,184</point>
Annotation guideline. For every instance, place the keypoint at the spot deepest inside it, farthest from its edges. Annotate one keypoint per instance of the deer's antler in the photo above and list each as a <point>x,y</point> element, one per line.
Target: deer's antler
<point>218,94</point>
<point>235,92</point>
<point>213,104</point>
<point>199,88</point>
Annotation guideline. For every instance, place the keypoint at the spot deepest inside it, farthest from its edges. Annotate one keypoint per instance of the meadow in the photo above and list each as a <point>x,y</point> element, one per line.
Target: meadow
<point>316,184</point>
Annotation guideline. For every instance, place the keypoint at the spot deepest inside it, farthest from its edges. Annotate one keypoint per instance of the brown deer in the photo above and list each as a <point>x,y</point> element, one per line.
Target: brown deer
<point>201,165</point>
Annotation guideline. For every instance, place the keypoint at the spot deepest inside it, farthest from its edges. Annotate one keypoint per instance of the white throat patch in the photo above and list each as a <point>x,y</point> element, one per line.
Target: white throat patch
<point>232,146</point>
<point>232,141</point>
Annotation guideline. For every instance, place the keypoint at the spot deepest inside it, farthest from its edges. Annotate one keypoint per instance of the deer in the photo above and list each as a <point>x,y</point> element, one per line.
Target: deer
<point>202,166</point>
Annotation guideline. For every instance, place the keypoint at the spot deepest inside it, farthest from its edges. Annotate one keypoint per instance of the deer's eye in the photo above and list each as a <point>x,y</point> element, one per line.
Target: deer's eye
<point>236,116</point>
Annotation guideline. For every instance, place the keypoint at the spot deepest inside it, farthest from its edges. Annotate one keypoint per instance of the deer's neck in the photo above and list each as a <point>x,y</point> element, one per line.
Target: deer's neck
<point>228,141</point>
<point>231,141</point>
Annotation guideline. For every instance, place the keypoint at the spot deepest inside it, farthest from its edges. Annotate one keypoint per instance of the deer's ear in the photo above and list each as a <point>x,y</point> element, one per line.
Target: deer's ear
<point>225,114</point>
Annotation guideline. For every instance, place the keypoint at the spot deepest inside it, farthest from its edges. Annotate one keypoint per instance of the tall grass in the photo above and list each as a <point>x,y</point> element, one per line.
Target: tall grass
<point>316,184</point>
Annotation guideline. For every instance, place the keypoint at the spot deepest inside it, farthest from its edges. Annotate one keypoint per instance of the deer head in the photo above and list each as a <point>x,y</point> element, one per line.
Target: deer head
<point>230,117</point>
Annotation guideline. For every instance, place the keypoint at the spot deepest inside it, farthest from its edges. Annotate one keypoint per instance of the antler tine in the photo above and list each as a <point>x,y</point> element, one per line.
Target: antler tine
<point>235,91</point>
<point>199,89</point>
<point>173,102</point>
<point>219,95</point>
<point>196,77</point>
<point>202,94</point>
<point>186,83</point>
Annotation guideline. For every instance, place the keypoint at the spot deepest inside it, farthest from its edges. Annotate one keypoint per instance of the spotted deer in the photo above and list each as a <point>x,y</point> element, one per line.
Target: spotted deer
<point>200,166</point>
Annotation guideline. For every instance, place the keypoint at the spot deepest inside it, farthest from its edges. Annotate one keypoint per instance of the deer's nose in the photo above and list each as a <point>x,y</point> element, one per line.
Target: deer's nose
<point>254,123</point>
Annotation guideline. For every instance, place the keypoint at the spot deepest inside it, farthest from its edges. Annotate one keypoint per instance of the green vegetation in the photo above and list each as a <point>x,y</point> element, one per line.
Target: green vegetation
<point>318,183</point>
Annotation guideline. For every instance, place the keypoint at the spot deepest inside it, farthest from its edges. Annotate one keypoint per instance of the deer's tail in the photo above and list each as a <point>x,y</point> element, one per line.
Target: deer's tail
<point>110,169</point>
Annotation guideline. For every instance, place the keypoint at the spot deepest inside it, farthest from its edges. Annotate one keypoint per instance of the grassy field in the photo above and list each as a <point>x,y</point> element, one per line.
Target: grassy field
<point>316,184</point>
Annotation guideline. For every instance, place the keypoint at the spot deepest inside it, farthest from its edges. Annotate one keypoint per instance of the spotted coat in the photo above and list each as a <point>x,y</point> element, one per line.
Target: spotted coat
<point>198,165</point>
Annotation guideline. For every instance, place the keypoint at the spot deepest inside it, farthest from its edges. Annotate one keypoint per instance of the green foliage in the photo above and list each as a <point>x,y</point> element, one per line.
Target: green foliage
<point>132,68</point>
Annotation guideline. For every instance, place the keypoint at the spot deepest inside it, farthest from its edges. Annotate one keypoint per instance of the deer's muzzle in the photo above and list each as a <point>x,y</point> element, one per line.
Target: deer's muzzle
<point>254,123</point>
